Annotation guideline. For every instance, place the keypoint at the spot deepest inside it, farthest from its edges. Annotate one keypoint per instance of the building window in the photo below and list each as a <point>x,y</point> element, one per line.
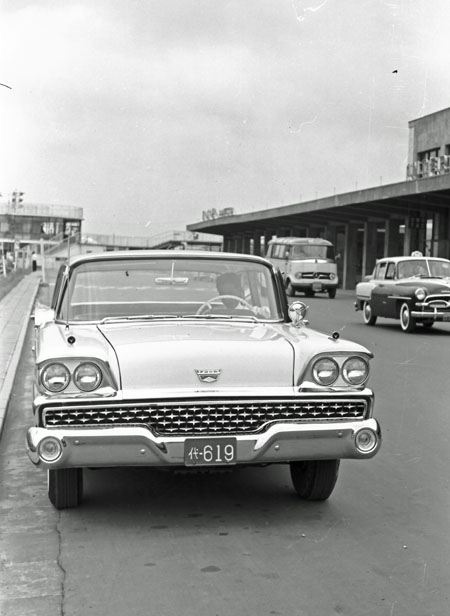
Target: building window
<point>428,154</point>
<point>4,227</point>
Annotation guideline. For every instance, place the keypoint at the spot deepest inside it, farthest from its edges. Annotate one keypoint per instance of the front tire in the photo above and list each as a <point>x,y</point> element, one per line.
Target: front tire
<point>407,322</point>
<point>65,487</point>
<point>314,480</point>
<point>368,316</point>
<point>331,293</point>
<point>428,323</point>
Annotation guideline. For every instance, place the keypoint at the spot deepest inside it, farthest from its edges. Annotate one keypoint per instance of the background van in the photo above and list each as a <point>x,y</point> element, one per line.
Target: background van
<point>308,264</point>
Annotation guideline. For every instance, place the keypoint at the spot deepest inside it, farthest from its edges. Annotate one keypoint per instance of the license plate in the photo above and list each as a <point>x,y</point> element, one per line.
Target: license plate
<point>209,451</point>
<point>446,317</point>
<point>317,286</point>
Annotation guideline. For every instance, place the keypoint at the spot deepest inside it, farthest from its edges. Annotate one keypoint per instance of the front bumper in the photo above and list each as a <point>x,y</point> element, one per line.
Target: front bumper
<point>431,315</point>
<point>137,446</point>
<point>316,284</point>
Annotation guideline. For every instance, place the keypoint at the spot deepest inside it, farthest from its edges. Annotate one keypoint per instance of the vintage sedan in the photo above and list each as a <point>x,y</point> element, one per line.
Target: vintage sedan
<point>413,289</point>
<point>191,360</point>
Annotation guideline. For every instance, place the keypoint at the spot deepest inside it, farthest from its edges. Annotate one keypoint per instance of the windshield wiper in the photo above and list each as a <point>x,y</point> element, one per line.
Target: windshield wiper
<point>228,317</point>
<point>140,317</point>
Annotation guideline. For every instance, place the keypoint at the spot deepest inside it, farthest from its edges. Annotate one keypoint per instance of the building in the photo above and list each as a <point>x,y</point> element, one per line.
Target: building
<point>36,224</point>
<point>364,225</point>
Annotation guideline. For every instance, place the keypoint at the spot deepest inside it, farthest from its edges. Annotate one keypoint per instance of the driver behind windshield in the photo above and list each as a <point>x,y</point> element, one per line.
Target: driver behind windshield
<point>229,284</point>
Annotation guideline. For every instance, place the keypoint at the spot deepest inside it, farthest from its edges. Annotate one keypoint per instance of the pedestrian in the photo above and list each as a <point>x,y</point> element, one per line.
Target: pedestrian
<point>33,261</point>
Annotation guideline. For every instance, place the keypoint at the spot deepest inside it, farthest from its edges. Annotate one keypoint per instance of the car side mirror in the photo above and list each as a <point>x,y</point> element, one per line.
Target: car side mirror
<point>42,315</point>
<point>297,312</point>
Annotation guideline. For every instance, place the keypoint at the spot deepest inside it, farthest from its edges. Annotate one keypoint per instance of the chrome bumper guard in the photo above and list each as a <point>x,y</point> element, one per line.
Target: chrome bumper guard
<point>137,446</point>
<point>436,315</point>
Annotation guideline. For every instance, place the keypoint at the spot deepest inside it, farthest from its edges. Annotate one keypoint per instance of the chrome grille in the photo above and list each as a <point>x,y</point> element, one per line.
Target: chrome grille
<point>206,417</point>
<point>316,275</point>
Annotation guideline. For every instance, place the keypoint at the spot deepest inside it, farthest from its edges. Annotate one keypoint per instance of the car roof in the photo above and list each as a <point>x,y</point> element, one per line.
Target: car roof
<point>300,240</point>
<point>410,258</point>
<point>166,254</point>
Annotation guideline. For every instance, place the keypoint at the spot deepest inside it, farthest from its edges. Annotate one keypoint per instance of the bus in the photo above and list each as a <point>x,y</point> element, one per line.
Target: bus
<point>308,264</point>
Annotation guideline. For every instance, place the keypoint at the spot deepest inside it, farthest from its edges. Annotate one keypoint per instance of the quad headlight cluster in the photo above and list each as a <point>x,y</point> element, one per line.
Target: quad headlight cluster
<point>353,370</point>
<point>87,377</point>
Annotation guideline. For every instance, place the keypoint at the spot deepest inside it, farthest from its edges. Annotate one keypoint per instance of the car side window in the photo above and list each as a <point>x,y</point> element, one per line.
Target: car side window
<point>380,271</point>
<point>390,271</point>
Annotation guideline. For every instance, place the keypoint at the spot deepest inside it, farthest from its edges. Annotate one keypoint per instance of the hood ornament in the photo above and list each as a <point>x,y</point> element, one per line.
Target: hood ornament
<point>208,376</point>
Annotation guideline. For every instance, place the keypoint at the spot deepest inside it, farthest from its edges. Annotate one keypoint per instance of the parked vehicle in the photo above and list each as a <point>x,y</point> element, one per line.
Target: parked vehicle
<point>194,360</point>
<point>308,264</point>
<point>413,289</point>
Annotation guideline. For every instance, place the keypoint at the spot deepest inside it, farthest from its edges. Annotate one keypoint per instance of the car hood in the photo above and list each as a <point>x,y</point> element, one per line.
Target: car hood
<point>432,285</point>
<point>183,355</point>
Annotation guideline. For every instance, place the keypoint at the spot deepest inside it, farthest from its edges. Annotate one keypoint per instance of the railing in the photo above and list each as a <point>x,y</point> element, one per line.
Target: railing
<point>43,210</point>
<point>123,241</point>
<point>436,165</point>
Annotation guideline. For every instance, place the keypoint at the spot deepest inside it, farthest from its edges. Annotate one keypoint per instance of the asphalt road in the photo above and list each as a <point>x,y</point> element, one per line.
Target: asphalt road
<point>148,542</point>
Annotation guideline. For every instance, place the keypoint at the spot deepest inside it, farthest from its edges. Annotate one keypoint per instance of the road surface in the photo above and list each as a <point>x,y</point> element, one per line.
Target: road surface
<point>147,542</point>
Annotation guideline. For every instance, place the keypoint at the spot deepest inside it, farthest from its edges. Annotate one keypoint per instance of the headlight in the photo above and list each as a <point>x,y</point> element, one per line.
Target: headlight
<point>355,370</point>
<point>55,377</point>
<point>325,371</point>
<point>332,276</point>
<point>50,449</point>
<point>298,274</point>
<point>420,294</point>
<point>87,377</point>
<point>366,440</point>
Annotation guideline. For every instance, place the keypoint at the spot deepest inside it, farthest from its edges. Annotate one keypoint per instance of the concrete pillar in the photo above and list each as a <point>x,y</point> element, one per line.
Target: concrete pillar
<point>245,245</point>
<point>331,234</point>
<point>369,255</point>
<point>349,273</point>
<point>415,233</point>
<point>267,237</point>
<point>442,235</point>
<point>257,243</point>
<point>227,243</point>
<point>393,239</point>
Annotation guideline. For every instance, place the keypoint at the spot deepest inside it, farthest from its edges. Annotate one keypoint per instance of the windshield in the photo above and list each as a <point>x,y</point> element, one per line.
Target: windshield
<point>170,287</point>
<point>312,251</point>
<point>424,267</point>
<point>440,269</point>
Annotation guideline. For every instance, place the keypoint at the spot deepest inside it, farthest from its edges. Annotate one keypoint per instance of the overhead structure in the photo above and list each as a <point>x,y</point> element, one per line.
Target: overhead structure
<point>364,225</point>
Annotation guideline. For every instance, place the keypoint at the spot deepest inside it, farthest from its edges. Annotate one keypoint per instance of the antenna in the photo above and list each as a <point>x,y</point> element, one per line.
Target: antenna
<point>68,281</point>
<point>67,297</point>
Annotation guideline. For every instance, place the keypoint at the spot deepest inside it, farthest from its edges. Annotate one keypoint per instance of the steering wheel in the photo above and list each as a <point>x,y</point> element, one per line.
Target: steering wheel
<point>208,303</point>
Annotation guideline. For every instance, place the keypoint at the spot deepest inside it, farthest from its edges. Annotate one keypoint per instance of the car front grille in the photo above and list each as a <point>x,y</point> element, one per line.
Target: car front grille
<point>438,302</point>
<point>316,275</point>
<point>206,417</point>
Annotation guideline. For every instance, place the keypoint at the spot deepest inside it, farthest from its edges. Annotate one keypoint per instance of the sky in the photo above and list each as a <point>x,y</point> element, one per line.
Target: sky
<point>145,113</point>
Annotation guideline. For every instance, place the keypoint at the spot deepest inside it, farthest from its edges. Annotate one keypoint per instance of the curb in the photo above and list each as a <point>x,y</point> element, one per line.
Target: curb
<point>14,361</point>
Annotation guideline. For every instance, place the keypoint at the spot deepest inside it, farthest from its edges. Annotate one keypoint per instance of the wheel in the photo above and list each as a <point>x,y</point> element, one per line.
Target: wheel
<point>428,323</point>
<point>407,322</point>
<point>314,480</point>
<point>368,316</point>
<point>331,293</point>
<point>290,291</point>
<point>65,487</point>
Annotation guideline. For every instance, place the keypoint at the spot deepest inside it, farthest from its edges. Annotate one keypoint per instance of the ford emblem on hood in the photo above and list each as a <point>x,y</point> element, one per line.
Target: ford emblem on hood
<point>208,376</point>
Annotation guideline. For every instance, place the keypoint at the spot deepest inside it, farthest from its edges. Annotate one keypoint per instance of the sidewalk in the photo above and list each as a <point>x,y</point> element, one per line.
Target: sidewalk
<point>15,311</point>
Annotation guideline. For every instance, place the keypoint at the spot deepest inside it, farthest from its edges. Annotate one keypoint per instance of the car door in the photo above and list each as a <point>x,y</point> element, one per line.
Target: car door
<point>382,304</point>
